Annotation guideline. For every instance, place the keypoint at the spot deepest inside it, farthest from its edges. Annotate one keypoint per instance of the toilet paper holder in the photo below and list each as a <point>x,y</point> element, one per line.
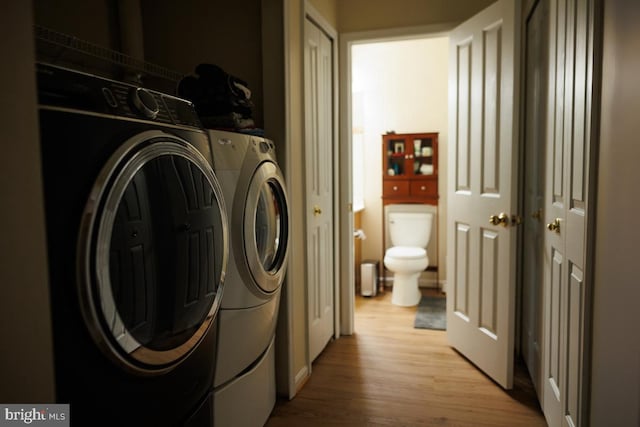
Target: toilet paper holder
<point>359,234</point>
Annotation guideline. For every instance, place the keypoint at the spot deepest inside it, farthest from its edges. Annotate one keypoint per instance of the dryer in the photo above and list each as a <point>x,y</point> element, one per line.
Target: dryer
<point>137,247</point>
<point>255,191</point>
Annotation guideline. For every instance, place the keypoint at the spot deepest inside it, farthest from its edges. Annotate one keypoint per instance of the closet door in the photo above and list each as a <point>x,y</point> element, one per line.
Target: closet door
<point>318,68</point>
<point>565,291</point>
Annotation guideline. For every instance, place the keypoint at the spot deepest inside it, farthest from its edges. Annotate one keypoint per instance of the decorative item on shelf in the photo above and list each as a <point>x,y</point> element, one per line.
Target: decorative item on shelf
<point>417,143</point>
<point>427,151</point>
<point>398,147</point>
<point>426,169</point>
<point>391,172</point>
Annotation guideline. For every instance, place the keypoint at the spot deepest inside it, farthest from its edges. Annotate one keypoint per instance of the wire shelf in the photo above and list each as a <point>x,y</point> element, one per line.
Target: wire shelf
<point>60,48</point>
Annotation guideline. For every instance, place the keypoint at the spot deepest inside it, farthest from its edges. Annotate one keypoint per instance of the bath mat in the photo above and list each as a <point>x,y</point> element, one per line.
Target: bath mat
<point>431,313</point>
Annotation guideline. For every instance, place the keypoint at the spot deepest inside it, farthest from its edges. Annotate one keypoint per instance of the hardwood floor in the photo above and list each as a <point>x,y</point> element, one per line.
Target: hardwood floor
<point>390,374</point>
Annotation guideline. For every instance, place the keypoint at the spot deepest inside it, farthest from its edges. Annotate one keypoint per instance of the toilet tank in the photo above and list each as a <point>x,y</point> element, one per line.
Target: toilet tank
<point>410,228</point>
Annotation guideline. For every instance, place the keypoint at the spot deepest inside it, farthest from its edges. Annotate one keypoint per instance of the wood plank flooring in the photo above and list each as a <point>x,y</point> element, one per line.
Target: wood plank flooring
<point>390,374</point>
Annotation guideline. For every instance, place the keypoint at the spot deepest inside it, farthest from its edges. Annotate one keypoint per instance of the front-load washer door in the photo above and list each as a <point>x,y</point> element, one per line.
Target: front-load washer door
<point>266,227</point>
<point>153,248</point>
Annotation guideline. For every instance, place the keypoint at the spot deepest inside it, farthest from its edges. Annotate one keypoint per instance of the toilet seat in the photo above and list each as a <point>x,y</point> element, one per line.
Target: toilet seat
<point>406,252</point>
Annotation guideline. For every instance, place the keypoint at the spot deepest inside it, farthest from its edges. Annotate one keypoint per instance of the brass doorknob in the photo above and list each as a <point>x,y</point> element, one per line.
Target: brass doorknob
<point>554,226</point>
<point>316,210</point>
<point>500,219</point>
<point>537,214</point>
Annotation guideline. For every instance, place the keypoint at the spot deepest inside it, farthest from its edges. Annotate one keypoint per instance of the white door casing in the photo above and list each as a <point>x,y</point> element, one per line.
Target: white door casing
<point>318,69</point>
<point>565,293</point>
<point>483,130</point>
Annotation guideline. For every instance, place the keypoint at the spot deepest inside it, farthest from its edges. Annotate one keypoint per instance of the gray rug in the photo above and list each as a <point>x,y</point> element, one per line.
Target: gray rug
<point>431,313</point>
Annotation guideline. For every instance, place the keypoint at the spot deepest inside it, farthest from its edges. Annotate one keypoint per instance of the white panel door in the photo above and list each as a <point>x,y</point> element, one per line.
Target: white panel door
<point>566,200</point>
<point>481,255</point>
<point>318,68</point>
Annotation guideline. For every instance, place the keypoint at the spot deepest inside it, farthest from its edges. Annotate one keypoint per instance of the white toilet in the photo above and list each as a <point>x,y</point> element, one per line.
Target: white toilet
<point>407,257</point>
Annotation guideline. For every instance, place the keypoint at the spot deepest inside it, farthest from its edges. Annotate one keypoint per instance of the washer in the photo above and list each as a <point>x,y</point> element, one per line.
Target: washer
<point>138,248</point>
<point>255,191</point>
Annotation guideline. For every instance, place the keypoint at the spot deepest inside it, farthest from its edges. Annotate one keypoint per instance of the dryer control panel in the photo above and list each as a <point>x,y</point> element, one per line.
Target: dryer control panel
<point>65,88</point>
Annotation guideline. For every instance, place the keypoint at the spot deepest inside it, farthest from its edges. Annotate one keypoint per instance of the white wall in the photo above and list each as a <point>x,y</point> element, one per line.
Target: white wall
<point>615,396</point>
<point>401,86</point>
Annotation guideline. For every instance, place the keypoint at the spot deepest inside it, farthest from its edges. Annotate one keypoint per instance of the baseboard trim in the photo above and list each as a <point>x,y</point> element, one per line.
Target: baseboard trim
<point>300,380</point>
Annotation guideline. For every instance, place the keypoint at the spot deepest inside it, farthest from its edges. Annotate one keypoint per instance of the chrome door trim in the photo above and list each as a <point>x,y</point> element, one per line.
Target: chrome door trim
<point>267,280</point>
<point>93,252</point>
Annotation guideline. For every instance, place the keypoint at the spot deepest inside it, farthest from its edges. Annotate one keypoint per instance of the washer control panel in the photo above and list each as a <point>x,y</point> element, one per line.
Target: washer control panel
<point>62,87</point>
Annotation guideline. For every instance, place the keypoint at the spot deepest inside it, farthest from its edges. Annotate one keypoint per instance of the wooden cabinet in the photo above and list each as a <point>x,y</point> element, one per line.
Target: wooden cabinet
<point>410,168</point>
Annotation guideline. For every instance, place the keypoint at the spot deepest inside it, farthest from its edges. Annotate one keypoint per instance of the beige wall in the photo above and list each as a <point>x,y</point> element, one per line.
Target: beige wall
<point>26,358</point>
<point>94,21</point>
<point>615,391</point>
<point>182,34</point>
<point>367,15</point>
<point>328,9</point>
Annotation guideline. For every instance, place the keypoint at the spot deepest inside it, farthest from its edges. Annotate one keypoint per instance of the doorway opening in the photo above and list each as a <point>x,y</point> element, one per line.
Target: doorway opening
<point>395,85</point>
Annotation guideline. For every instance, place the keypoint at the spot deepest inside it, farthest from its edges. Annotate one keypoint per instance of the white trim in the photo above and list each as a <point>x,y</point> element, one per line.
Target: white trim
<point>320,21</point>
<point>288,155</point>
<point>300,378</point>
<point>347,294</point>
<point>292,381</point>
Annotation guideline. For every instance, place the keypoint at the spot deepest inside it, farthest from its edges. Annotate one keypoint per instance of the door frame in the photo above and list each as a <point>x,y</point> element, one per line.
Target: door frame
<point>346,291</point>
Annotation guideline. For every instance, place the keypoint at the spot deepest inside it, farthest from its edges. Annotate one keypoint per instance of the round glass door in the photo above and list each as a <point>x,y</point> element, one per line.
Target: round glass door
<point>267,227</point>
<point>154,253</point>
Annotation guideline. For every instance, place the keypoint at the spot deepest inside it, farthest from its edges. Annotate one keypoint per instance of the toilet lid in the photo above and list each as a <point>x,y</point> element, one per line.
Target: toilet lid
<point>406,252</point>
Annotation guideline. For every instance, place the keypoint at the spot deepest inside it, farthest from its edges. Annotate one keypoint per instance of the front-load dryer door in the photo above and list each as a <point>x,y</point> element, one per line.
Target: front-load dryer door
<point>266,227</point>
<point>153,249</point>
